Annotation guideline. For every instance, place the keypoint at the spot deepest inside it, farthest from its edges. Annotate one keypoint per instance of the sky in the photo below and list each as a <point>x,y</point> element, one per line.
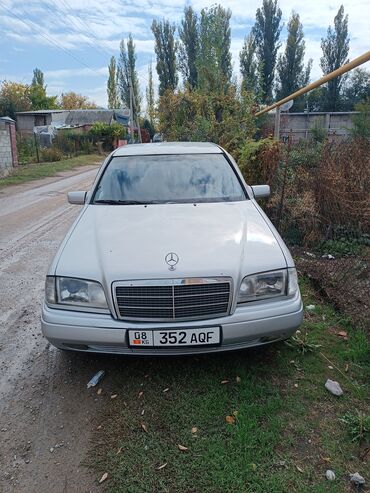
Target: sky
<point>71,41</point>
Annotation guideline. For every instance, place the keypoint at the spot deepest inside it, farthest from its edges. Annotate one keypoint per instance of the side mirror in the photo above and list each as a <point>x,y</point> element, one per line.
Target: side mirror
<point>261,191</point>
<point>77,198</point>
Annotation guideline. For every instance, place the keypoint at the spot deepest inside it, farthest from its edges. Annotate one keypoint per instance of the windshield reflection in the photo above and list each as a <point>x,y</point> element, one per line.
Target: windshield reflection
<point>169,178</point>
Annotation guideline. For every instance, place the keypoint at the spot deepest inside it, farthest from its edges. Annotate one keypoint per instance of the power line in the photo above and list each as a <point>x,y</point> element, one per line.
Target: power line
<point>83,22</point>
<point>30,24</point>
<point>74,28</point>
<point>89,30</point>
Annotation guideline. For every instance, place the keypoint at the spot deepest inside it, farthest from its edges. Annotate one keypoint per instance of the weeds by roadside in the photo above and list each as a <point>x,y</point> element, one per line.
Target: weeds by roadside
<point>30,172</point>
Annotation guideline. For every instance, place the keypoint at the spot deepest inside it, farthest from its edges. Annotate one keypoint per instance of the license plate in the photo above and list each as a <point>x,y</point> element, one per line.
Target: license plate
<point>179,337</point>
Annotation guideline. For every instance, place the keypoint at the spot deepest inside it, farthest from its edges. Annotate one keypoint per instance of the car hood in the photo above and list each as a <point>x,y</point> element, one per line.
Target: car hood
<point>111,243</point>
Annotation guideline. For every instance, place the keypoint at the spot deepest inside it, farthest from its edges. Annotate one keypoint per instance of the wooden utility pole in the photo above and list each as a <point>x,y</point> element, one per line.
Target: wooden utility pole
<point>131,114</point>
<point>134,112</point>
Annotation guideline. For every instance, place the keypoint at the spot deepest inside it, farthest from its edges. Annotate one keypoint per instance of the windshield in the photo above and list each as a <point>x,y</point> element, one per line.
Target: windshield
<point>168,178</point>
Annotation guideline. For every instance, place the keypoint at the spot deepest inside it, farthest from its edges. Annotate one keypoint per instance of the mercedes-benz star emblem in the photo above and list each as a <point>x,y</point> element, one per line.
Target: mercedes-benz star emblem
<point>171,259</point>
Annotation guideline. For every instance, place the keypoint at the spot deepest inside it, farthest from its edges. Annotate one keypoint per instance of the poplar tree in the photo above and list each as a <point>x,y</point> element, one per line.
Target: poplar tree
<point>165,48</point>
<point>291,72</point>
<point>150,96</point>
<point>127,71</point>
<point>112,85</point>
<point>266,32</point>
<point>335,48</point>
<point>249,65</point>
<point>188,47</point>
<point>38,78</point>
<point>214,57</point>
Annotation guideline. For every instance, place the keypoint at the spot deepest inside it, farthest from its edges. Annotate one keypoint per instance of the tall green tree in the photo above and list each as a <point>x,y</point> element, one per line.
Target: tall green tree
<point>188,47</point>
<point>37,93</point>
<point>266,32</point>
<point>357,88</point>
<point>165,48</point>
<point>150,104</point>
<point>335,48</point>
<point>291,72</point>
<point>112,85</point>
<point>128,74</point>
<point>14,96</point>
<point>249,66</point>
<point>214,57</point>
<point>38,78</point>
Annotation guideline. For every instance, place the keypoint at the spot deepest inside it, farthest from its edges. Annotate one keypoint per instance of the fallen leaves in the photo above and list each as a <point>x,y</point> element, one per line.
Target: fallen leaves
<point>343,334</point>
<point>114,396</point>
<point>194,429</point>
<point>224,381</point>
<point>299,469</point>
<point>103,478</point>
<point>166,390</point>
<point>238,379</point>
<point>144,427</point>
<point>99,391</point>
<point>119,450</point>
<point>182,448</point>
<point>230,419</point>
<point>140,394</point>
<point>162,466</point>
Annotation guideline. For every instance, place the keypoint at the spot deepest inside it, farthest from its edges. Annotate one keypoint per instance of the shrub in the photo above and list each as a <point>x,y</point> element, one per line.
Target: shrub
<point>259,160</point>
<point>318,133</point>
<point>108,133</point>
<point>361,121</point>
<point>50,154</point>
<point>26,150</point>
<point>224,118</point>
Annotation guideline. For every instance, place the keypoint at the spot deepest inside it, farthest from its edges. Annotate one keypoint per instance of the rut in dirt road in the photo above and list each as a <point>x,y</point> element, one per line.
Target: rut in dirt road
<point>46,413</point>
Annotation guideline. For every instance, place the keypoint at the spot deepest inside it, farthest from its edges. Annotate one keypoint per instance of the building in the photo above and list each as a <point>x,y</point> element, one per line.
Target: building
<point>28,120</point>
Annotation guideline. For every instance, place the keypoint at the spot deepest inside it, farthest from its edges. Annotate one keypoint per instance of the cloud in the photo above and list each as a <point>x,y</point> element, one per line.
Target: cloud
<point>75,72</point>
<point>90,30</point>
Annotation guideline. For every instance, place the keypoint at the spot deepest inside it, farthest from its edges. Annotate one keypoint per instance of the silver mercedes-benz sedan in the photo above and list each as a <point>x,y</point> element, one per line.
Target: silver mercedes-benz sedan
<point>171,254</point>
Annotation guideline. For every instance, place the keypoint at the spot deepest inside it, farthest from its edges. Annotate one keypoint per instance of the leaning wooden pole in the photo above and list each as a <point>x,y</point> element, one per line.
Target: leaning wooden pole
<point>340,71</point>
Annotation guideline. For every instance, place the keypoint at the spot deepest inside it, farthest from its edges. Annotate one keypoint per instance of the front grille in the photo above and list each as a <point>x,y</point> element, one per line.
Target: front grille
<point>177,299</point>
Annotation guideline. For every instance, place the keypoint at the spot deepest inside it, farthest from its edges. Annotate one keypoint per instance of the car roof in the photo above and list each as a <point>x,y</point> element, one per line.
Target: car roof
<point>168,148</point>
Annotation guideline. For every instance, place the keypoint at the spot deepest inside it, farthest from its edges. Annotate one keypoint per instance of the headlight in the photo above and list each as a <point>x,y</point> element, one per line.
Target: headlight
<point>76,292</point>
<point>268,285</point>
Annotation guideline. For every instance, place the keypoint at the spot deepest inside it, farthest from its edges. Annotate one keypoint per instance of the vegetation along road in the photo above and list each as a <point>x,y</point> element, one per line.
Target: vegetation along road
<point>254,421</point>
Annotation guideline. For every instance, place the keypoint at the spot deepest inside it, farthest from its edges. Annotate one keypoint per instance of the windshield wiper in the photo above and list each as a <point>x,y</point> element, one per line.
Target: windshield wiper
<point>121,202</point>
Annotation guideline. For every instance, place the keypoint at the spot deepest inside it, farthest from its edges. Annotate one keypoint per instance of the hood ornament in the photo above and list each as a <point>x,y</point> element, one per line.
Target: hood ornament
<point>172,260</point>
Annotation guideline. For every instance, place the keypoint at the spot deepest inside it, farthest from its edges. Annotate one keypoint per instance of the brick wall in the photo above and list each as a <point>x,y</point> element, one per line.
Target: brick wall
<point>8,146</point>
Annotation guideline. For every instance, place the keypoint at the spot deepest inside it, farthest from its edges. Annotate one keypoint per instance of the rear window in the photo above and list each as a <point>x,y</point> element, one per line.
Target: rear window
<point>169,178</point>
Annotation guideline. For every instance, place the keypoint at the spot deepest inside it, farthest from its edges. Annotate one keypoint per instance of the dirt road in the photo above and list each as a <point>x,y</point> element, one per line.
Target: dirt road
<point>46,414</point>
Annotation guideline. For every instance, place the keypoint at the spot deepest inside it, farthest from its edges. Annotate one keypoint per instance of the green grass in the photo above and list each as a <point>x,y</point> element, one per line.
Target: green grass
<point>285,419</point>
<point>28,172</point>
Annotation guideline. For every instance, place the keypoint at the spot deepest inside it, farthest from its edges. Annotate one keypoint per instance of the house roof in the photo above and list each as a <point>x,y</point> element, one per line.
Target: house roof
<point>87,117</point>
<point>6,119</point>
<point>39,112</point>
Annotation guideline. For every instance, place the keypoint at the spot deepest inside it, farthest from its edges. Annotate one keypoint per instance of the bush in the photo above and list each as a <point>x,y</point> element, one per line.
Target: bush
<point>108,133</point>
<point>50,154</point>
<point>259,160</point>
<point>318,133</point>
<point>361,121</point>
<point>26,150</point>
<point>224,118</point>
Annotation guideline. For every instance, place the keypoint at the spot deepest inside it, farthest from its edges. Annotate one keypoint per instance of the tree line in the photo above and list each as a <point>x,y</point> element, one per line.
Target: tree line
<point>16,96</point>
<point>195,56</point>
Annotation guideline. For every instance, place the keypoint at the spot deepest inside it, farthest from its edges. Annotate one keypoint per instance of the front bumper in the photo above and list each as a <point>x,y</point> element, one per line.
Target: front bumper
<point>252,324</point>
